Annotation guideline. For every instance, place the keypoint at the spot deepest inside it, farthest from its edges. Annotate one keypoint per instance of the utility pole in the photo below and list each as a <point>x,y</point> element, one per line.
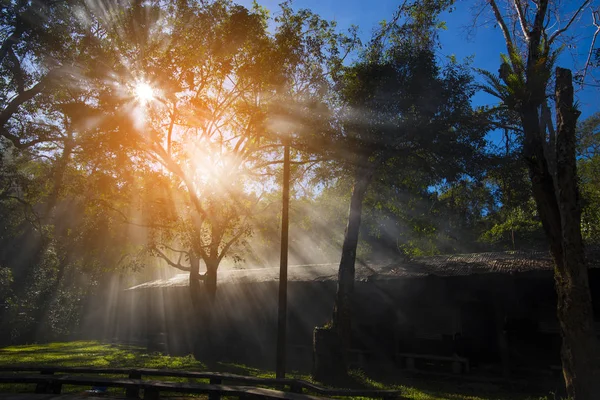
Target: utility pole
<point>283,266</point>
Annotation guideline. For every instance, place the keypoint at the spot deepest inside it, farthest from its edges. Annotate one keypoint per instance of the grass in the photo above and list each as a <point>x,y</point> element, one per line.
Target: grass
<point>95,354</point>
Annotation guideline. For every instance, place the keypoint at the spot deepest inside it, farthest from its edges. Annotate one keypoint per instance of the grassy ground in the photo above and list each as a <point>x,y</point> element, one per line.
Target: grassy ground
<point>95,354</point>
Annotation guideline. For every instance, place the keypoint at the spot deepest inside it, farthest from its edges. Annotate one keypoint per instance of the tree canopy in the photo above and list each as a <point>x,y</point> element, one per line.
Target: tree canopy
<point>141,139</point>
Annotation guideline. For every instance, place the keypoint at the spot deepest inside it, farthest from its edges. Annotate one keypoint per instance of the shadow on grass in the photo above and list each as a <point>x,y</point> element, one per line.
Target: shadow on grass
<point>95,354</point>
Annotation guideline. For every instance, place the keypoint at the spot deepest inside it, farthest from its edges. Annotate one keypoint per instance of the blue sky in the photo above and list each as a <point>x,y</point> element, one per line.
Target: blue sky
<point>485,46</point>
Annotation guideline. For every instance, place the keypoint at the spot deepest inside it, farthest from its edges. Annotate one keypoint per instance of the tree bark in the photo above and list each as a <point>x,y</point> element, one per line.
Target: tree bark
<point>206,339</point>
<point>554,179</point>
<point>557,202</point>
<point>342,311</point>
<point>210,279</point>
<point>201,322</point>
<point>195,283</point>
<point>575,311</point>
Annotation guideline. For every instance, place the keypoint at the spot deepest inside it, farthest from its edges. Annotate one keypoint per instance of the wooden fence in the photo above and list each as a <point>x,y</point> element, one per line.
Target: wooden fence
<point>51,380</point>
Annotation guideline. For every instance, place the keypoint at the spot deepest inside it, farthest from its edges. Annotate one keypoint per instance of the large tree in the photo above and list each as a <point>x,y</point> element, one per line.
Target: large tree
<point>401,111</point>
<point>549,152</point>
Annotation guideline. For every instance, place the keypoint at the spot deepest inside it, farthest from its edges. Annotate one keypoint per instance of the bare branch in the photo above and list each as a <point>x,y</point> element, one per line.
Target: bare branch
<point>507,38</point>
<point>522,20</point>
<point>596,22</point>
<point>573,18</point>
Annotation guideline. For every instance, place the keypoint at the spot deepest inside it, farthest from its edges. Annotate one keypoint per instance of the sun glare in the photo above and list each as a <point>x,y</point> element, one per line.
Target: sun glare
<point>144,92</point>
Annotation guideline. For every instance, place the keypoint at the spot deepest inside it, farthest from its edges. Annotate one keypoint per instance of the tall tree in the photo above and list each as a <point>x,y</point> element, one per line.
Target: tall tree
<point>525,75</point>
<point>399,109</point>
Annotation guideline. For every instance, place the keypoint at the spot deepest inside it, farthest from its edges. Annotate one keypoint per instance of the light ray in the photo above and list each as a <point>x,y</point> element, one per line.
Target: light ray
<point>144,93</point>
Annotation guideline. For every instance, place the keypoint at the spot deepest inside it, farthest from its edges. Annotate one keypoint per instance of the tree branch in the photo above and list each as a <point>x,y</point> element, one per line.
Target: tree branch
<point>170,262</point>
<point>562,30</point>
<point>13,38</point>
<point>266,164</point>
<point>522,20</point>
<point>507,38</point>
<point>230,243</point>
<point>596,22</point>
<point>172,166</point>
<point>124,217</point>
<point>175,250</point>
<point>13,107</point>
<point>16,70</point>
<point>36,222</point>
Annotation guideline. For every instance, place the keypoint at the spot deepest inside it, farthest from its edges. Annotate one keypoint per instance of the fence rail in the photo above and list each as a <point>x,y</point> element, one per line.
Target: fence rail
<point>51,380</point>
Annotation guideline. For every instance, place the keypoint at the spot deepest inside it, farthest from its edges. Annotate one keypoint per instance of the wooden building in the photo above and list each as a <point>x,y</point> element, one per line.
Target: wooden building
<point>498,310</point>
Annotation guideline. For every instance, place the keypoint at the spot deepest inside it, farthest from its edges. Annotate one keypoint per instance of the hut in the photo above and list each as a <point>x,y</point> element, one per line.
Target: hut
<point>494,309</point>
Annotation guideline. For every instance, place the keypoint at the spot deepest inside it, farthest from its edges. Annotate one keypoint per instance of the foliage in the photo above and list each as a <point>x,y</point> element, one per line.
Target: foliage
<point>95,181</point>
<point>589,170</point>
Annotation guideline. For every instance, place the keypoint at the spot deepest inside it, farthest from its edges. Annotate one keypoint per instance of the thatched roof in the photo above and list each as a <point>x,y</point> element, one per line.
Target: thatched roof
<point>442,265</point>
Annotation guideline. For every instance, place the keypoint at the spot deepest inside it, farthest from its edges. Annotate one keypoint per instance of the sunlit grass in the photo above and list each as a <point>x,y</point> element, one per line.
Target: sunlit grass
<point>95,354</point>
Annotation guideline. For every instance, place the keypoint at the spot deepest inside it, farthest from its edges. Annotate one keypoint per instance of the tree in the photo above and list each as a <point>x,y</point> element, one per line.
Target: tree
<point>36,55</point>
<point>515,223</point>
<point>56,243</point>
<point>199,126</point>
<point>399,109</point>
<point>589,169</point>
<point>207,130</point>
<point>525,75</point>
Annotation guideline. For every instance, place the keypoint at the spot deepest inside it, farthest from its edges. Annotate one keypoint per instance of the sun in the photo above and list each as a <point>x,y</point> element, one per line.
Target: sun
<point>143,92</point>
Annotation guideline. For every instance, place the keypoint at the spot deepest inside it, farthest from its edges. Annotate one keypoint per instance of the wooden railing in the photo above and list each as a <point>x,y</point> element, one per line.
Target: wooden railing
<point>51,380</point>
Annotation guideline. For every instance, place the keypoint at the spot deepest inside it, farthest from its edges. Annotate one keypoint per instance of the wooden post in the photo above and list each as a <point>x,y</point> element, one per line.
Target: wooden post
<point>283,267</point>
<point>45,386</point>
<point>215,395</point>
<point>133,393</point>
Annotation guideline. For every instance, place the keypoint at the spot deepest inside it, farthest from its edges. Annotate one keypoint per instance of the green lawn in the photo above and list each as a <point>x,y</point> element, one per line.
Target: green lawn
<point>95,354</point>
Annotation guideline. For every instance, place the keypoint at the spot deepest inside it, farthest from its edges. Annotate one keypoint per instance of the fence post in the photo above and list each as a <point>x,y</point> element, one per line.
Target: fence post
<point>215,395</point>
<point>134,392</point>
<point>44,387</point>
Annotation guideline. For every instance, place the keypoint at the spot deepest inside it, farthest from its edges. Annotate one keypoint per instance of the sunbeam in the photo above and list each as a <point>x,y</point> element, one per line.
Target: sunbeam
<point>144,93</point>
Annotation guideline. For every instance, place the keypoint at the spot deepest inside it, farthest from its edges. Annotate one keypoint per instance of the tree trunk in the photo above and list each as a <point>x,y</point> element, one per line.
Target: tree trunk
<point>342,311</point>
<point>195,291</point>
<point>206,344</point>
<point>558,208</point>
<point>575,311</point>
<point>210,280</point>
<point>201,322</point>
